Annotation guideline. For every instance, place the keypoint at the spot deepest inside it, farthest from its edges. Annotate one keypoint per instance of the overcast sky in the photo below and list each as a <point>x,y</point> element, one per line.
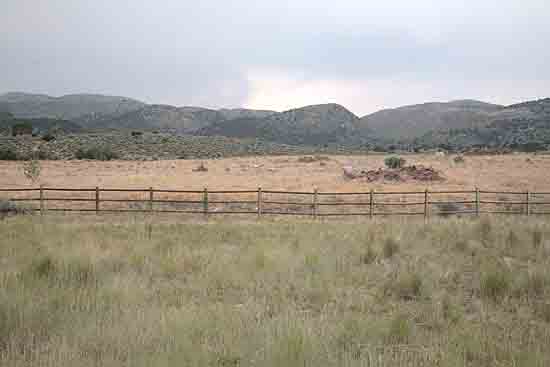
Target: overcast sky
<point>365,55</point>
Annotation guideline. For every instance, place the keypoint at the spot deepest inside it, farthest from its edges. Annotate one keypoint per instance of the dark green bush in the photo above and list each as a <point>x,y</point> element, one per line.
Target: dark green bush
<point>394,162</point>
<point>48,137</point>
<point>7,154</point>
<point>8,207</point>
<point>96,153</point>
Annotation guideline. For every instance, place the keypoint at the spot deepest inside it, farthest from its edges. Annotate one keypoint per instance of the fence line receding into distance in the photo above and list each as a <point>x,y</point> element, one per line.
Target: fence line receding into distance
<point>276,202</point>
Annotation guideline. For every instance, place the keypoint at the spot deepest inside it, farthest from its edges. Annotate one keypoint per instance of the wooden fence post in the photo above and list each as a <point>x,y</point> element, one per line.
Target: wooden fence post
<point>259,204</point>
<point>96,200</point>
<point>426,213</point>
<point>477,202</point>
<point>528,206</point>
<point>315,203</point>
<point>371,204</point>
<point>41,199</point>
<point>205,202</point>
<point>151,199</point>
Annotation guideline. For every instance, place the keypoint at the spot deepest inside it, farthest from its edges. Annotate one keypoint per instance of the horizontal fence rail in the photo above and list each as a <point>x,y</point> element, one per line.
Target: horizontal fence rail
<point>260,202</point>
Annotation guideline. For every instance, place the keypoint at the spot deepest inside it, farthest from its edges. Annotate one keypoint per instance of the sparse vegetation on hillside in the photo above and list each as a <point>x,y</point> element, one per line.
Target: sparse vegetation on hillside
<point>21,128</point>
<point>279,293</point>
<point>96,153</point>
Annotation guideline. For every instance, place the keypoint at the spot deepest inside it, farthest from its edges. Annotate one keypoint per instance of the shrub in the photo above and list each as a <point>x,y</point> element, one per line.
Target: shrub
<point>201,168</point>
<point>8,207</point>
<point>485,231</point>
<point>7,154</point>
<point>400,330</point>
<point>137,134</point>
<point>408,286</point>
<point>391,247</point>
<point>32,170</point>
<point>458,159</point>
<point>48,137</point>
<point>512,240</point>
<point>448,310</point>
<point>461,245</point>
<point>96,153</point>
<point>495,284</point>
<point>44,155</point>
<point>43,268</point>
<point>394,162</point>
<point>448,209</point>
<point>532,285</point>
<point>38,155</point>
<point>306,159</point>
<point>369,256</point>
<point>537,238</point>
<point>542,310</point>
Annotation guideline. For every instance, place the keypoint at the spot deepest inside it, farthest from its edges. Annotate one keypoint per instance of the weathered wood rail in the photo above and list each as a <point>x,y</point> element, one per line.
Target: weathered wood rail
<point>278,202</point>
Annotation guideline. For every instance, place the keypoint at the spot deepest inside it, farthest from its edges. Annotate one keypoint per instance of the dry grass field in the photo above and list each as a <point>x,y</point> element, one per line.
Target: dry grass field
<point>137,290</point>
<point>102,291</point>
<point>501,172</point>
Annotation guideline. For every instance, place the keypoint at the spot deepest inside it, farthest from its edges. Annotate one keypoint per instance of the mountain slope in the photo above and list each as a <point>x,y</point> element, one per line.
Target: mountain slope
<point>24,105</point>
<point>417,120</point>
<point>41,124</point>
<point>317,124</point>
<point>240,113</point>
<point>168,118</point>
<point>524,126</point>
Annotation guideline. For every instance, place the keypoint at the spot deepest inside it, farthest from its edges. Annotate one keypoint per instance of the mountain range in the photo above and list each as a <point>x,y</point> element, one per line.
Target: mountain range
<point>454,124</point>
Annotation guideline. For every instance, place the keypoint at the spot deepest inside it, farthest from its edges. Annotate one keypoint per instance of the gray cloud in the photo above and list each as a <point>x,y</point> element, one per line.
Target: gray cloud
<point>188,52</point>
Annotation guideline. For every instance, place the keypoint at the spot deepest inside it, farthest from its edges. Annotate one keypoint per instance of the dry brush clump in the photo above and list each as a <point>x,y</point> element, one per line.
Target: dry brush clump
<point>112,291</point>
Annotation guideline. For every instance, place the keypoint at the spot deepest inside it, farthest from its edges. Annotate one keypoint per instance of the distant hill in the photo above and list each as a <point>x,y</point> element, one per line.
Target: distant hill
<point>524,126</point>
<point>310,125</point>
<point>417,120</point>
<point>43,125</point>
<point>25,105</point>
<point>183,120</point>
<point>157,117</point>
<point>456,125</point>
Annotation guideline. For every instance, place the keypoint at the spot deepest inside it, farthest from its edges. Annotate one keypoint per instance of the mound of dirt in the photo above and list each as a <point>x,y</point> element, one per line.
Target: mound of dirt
<point>409,173</point>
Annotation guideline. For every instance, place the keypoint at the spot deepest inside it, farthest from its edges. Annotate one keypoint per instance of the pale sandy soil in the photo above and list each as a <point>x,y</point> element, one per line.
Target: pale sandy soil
<point>506,172</point>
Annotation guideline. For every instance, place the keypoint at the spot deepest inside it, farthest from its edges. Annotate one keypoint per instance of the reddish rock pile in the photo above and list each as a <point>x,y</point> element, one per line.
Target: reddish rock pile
<point>415,173</point>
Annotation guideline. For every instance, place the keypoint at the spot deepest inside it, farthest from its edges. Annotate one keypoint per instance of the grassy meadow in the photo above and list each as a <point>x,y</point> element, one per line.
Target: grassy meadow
<point>117,291</point>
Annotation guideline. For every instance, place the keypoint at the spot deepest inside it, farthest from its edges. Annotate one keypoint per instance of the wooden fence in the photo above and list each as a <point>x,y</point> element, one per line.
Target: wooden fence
<point>271,202</point>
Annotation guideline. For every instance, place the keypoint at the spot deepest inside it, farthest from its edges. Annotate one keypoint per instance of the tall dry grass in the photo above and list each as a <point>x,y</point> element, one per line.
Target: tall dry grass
<point>86,291</point>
